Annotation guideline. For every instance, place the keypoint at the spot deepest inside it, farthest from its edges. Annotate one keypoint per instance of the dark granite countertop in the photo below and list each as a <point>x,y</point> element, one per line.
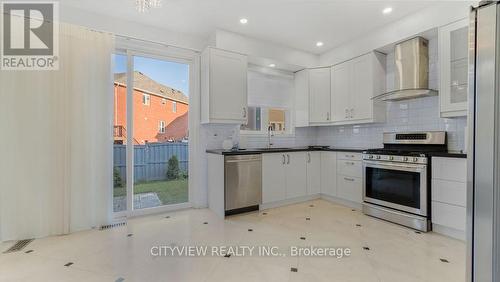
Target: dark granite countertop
<point>449,154</point>
<point>280,150</point>
<point>250,151</point>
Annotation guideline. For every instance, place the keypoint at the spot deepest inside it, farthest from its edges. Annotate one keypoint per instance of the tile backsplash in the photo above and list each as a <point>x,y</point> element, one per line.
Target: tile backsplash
<point>413,115</point>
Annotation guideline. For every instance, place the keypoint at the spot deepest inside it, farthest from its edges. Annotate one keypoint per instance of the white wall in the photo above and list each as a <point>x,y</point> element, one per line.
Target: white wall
<point>447,12</point>
<point>261,49</point>
<point>131,29</point>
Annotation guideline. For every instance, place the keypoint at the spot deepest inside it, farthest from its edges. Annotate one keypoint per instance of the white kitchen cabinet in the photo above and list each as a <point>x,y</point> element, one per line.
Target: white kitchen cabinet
<point>350,177</point>
<point>354,84</point>
<point>453,67</point>
<point>284,176</point>
<point>450,216</point>
<point>319,96</point>
<point>301,109</point>
<point>296,174</point>
<point>329,173</point>
<point>223,87</point>
<point>313,173</point>
<point>449,196</point>
<point>341,91</point>
<point>454,169</point>
<point>350,168</point>
<point>273,178</point>
<point>350,188</point>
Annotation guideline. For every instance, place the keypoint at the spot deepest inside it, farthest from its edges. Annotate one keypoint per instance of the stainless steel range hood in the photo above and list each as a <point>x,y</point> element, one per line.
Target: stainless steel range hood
<point>411,69</point>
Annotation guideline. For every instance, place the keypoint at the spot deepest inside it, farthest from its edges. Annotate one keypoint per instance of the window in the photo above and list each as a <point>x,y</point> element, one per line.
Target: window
<point>146,99</point>
<point>254,120</point>
<point>277,119</point>
<point>163,101</point>
<point>270,99</point>
<point>261,118</point>
<point>161,126</point>
<point>174,107</point>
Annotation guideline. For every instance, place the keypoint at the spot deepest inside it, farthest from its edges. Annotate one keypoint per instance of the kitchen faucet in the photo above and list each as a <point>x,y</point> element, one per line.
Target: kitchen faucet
<point>269,135</point>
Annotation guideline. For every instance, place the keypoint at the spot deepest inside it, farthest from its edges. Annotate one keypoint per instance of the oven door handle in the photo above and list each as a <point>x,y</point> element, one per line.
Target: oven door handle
<point>393,165</point>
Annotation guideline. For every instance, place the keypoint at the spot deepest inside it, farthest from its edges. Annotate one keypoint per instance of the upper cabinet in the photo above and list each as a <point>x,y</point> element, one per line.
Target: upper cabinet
<point>453,62</point>
<point>223,87</point>
<point>354,84</point>
<point>319,96</point>
<point>341,94</point>
<point>301,98</point>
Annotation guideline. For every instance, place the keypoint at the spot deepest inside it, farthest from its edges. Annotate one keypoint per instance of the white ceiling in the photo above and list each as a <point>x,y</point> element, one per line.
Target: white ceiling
<point>293,23</point>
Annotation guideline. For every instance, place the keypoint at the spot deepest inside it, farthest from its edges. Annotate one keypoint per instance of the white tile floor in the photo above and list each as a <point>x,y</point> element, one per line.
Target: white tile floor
<point>395,253</point>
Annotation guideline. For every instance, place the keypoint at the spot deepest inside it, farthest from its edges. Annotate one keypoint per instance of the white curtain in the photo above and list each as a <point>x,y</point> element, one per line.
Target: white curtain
<point>56,141</point>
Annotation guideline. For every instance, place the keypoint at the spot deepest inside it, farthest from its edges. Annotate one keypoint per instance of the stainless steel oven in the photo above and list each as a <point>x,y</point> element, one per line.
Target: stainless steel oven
<point>396,178</point>
<point>401,186</point>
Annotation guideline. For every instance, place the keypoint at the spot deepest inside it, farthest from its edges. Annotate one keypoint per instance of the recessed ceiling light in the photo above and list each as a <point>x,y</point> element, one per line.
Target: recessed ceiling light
<point>272,65</point>
<point>319,44</point>
<point>387,10</point>
<point>243,21</point>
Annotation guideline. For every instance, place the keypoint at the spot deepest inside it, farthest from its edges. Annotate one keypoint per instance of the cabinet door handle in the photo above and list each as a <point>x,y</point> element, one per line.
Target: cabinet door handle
<point>309,157</point>
<point>352,113</point>
<point>283,159</point>
<point>288,156</point>
<point>244,112</point>
<point>349,163</point>
<point>348,179</point>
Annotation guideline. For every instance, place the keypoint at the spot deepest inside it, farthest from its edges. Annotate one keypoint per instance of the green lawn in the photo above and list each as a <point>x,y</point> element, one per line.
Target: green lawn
<point>169,192</point>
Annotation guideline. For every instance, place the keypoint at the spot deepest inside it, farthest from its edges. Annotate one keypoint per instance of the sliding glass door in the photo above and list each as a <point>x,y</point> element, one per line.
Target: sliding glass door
<point>150,154</point>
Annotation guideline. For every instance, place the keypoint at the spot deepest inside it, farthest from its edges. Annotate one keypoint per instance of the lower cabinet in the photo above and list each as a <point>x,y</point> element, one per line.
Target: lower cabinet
<point>329,173</point>
<point>283,176</point>
<point>350,177</point>
<point>449,196</point>
<point>350,188</point>
<point>297,174</point>
<point>313,173</point>
<point>273,178</point>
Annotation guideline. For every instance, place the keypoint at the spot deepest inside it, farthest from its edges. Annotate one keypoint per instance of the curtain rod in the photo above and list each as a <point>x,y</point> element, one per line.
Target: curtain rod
<point>154,42</point>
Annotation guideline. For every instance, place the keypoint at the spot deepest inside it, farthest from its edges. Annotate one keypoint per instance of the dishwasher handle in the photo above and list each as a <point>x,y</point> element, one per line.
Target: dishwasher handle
<point>242,158</point>
<point>242,161</point>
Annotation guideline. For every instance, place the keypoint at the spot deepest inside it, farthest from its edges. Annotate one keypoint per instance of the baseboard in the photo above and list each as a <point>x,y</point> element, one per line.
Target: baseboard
<point>288,202</point>
<point>448,231</point>
<point>343,202</point>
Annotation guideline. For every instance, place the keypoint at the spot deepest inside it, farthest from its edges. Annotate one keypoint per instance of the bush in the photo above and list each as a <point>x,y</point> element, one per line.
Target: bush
<point>117,178</point>
<point>173,168</point>
<point>184,175</point>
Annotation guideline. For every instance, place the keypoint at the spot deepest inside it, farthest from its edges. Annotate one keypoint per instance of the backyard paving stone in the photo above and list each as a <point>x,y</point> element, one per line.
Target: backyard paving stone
<point>141,201</point>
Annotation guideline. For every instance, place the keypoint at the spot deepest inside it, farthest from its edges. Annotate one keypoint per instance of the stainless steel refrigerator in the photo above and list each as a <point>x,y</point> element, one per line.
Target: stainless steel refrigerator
<point>483,193</point>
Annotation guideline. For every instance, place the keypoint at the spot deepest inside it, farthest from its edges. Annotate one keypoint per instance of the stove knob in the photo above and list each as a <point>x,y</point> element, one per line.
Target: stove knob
<point>415,159</point>
<point>405,159</point>
<point>391,158</point>
<point>378,157</point>
<point>370,156</point>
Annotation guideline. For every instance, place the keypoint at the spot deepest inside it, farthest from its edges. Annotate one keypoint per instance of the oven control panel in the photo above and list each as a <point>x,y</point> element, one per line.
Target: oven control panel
<point>395,158</point>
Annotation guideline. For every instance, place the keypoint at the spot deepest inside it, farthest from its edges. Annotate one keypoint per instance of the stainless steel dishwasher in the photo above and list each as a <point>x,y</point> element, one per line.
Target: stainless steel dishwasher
<point>242,183</point>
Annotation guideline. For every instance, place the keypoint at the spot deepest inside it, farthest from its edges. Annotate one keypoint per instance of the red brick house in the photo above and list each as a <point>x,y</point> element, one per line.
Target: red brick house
<point>160,112</point>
